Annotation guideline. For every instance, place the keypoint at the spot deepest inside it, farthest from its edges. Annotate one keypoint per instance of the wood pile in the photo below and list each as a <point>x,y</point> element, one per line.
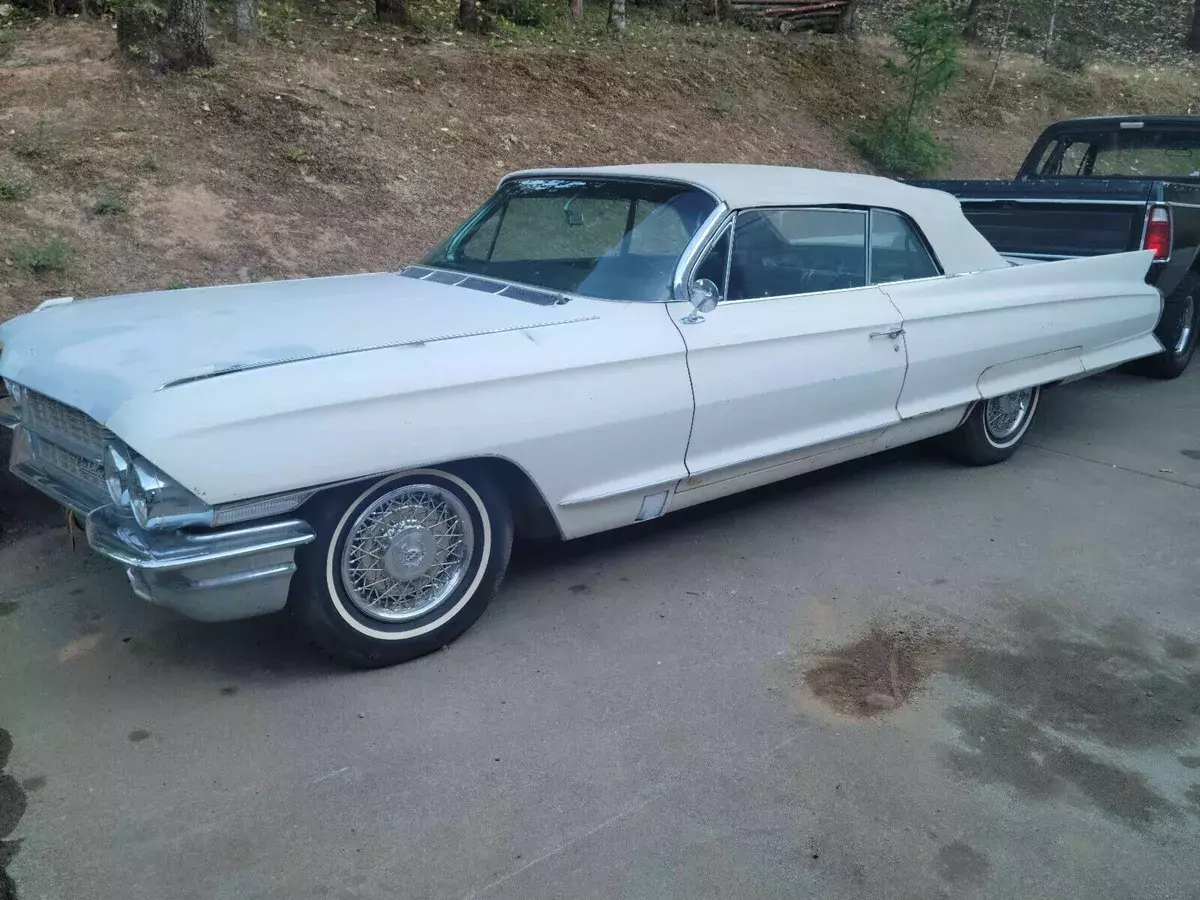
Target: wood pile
<point>823,15</point>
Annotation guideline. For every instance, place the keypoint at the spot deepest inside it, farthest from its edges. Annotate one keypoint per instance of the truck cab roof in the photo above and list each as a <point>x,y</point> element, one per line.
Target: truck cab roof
<point>1101,123</point>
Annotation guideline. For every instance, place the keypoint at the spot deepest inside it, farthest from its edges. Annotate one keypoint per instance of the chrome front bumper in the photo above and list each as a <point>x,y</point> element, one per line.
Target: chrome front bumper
<point>211,575</point>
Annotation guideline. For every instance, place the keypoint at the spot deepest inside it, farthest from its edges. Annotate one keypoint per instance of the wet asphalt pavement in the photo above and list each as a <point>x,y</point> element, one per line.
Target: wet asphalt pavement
<point>895,679</point>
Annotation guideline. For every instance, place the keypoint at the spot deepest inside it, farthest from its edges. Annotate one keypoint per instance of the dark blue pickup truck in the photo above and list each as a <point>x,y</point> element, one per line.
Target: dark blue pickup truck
<point>1107,185</point>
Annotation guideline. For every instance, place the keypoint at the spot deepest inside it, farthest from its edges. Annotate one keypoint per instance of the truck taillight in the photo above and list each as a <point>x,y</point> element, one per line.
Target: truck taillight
<point>1158,232</point>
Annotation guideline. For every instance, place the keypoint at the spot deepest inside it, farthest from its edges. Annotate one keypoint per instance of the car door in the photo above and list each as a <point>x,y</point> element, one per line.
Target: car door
<point>801,357</point>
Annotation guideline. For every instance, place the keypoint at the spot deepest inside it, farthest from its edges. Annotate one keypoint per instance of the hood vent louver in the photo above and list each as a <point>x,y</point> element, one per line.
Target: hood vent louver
<point>486,285</point>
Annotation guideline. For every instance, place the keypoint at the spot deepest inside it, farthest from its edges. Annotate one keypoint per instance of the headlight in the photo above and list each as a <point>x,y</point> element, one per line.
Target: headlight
<point>116,473</point>
<point>160,502</point>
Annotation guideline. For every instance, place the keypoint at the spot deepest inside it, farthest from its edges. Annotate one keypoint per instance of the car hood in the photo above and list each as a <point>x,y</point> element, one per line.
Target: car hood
<point>96,354</point>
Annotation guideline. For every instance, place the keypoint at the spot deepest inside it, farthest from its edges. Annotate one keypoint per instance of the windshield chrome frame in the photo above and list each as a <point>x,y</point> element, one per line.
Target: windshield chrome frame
<point>687,259</point>
<point>706,235</point>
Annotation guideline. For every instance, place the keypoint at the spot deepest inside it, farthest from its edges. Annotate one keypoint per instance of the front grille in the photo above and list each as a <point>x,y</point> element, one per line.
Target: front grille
<point>64,462</point>
<point>65,445</point>
<point>65,426</point>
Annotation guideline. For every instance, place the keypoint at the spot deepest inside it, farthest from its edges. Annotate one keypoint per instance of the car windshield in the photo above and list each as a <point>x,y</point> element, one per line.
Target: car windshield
<point>616,239</point>
<point>1128,153</point>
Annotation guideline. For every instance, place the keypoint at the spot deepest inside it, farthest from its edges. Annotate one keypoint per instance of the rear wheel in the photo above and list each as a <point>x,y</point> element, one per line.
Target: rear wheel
<point>403,566</point>
<point>994,429</point>
<point>1177,331</point>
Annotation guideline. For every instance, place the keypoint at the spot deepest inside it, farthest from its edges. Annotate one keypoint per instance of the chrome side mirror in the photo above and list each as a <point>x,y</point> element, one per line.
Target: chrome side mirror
<point>704,294</point>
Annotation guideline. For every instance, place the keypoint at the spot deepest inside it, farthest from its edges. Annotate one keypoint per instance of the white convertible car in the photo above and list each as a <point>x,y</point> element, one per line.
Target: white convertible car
<point>591,349</point>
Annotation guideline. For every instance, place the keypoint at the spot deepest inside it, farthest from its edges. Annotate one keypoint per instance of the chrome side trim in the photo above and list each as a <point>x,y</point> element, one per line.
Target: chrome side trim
<point>839,291</point>
<point>248,367</point>
<point>649,488</point>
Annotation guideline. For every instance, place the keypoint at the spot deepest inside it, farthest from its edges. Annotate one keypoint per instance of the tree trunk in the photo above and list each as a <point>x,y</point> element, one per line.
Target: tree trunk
<point>184,42</point>
<point>1050,33</point>
<point>971,19</point>
<point>845,24</point>
<point>724,10</point>
<point>616,15</point>
<point>393,12</point>
<point>468,16</point>
<point>577,10</point>
<point>245,21</point>
<point>1000,52</point>
<point>1193,39</point>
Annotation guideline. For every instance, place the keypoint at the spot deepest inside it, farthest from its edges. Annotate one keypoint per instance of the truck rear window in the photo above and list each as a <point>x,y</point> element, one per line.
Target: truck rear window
<point>1128,153</point>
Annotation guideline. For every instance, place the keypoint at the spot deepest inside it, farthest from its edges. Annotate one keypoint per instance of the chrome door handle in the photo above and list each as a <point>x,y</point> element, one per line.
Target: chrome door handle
<point>890,335</point>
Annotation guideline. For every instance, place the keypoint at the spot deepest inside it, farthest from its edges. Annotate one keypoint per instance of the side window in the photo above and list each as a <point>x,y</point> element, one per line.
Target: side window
<point>897,251</point>
<point>1074,157</point>
<point>780,252</point>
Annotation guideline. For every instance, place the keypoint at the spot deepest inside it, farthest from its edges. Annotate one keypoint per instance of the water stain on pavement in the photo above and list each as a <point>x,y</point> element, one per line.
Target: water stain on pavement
<point>1181,648</point>
<point>1193,797</point>
<point>962,864</point>
<point>1060,712</point>
<point>999,747</point>
<point>138,735</point>
<point>879,672</point>
<point>8,607</point>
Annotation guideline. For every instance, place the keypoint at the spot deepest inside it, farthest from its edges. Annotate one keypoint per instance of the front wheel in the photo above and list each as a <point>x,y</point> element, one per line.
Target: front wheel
<point>994,429</point>
<point>1177,331</point>
<point>402,566</point>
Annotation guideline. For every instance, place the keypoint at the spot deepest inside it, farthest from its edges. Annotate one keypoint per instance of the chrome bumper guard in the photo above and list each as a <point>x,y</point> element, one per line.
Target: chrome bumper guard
<point>213,576</point>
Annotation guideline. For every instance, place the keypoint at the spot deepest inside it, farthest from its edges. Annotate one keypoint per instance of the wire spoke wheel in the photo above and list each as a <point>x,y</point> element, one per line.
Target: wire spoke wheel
<point>407,552</point>
<point>1004,416</point>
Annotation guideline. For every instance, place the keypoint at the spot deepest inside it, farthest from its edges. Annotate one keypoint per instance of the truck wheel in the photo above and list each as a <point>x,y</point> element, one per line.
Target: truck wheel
<point>1177,331</point>
<point>402,566</point>
<point>994,428</point>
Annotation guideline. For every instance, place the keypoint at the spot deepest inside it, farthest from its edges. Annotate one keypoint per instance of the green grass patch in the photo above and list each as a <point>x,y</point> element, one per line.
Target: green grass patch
<point>12,190</point>
<point>38,144</point>
<point>110,203</point>
<point>53,256</point>
<point>298,154</point>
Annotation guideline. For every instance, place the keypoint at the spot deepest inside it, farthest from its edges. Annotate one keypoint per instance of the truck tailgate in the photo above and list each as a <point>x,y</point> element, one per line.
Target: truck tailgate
<point>1052,218</point>
<point>1055,230</point>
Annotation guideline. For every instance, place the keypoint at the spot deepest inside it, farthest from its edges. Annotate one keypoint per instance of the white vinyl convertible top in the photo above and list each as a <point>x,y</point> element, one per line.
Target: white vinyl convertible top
<point>959,247</point>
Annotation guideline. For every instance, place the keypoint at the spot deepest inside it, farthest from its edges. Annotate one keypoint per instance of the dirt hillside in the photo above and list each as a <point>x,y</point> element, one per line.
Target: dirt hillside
<point>338,146</point>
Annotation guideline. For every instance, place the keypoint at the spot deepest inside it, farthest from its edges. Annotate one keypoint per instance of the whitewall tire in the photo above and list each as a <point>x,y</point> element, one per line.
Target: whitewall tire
<point>402,565</point>
<point>994,428</point>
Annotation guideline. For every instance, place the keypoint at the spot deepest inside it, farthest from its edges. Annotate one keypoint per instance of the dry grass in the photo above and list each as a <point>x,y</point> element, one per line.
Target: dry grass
<point>355,148</point>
